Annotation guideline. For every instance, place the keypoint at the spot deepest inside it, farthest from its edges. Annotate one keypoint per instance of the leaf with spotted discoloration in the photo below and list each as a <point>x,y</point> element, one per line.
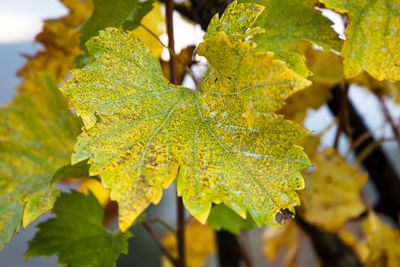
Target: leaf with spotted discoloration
<point>224,138</point>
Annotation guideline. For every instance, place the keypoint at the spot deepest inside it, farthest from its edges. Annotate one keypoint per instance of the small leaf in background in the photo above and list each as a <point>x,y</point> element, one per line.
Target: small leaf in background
<point>222,217</point>
<point>372,37</point>
<point>199,244</point>
<point>117,13</point>
<point>383,242</point>
<point>155,22</point>
<point>289,23</point>
<point>185,58</point>
<point>332,193</point>
<point>91,185</point>
<point>288,237</point>
<point>61,45</point>
<point>76,234</point>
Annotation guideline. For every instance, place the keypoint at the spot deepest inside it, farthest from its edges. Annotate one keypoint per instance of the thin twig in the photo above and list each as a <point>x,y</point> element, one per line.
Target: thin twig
<point>342,114</point>
<point>389,119</point>
<point>180,233</point>
<point>164,250</point>
<point>246,249</point>
<point>169,8</point>
<point>162,222</point>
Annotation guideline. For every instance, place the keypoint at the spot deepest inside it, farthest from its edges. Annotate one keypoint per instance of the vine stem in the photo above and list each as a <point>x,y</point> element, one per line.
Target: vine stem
<point>180,214</point>
<point>180,233</point>
<point>342,120</point>
<point>171,52</point>
<point>389,119</point>
<point>164,250</point>
<point>169,8</point>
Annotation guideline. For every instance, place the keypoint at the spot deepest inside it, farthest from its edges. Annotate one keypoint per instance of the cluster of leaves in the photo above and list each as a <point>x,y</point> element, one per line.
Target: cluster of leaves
<point>233,145</point>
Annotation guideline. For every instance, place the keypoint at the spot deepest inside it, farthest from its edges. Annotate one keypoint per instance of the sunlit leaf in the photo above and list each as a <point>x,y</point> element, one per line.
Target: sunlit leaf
<point>76,234</point>
<point>228,144</point>
<point>332,193</point>
<point>199,244</point>
<point>372,37</point>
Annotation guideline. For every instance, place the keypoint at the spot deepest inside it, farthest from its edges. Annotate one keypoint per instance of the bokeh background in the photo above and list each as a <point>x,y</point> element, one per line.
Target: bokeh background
<point>21,20</point>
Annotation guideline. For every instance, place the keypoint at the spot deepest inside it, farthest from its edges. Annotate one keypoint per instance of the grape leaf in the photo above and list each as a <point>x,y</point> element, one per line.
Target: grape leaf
<point>288,23</point>
<point>383,242</point>
<point>76,234</point>
<point>332,194</point>
<point>222,217</point>
<point>37,132</point>
<point>224,138</point>
<point>120,13</point>
<point>199,244</point>
<point>372,37</point>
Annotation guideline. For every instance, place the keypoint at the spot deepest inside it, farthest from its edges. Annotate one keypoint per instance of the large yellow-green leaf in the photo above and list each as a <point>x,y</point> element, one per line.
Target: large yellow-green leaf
<point>37,132</point>
<point>287,23</point>
<point>224,138</point>
<point>372,37</point>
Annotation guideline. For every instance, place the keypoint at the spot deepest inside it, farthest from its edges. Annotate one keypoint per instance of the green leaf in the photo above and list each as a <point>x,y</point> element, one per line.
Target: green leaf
<point>80,170</point>
<point>222,217</point>
<point>288,23</point>
<point>76,234</point>
<point>372,37</point>
<point>117,13</point>
<point>224,137</point>
<point>36,137</point>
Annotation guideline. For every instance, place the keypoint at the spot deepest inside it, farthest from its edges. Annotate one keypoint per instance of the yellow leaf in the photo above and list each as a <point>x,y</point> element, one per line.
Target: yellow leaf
<point>61,46</point>
<point>332,191</point>
<point>275,238</point>
<point>154,21</point>
<point>372,37</point>
<point>199,244</point>
<point>384,243</point>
